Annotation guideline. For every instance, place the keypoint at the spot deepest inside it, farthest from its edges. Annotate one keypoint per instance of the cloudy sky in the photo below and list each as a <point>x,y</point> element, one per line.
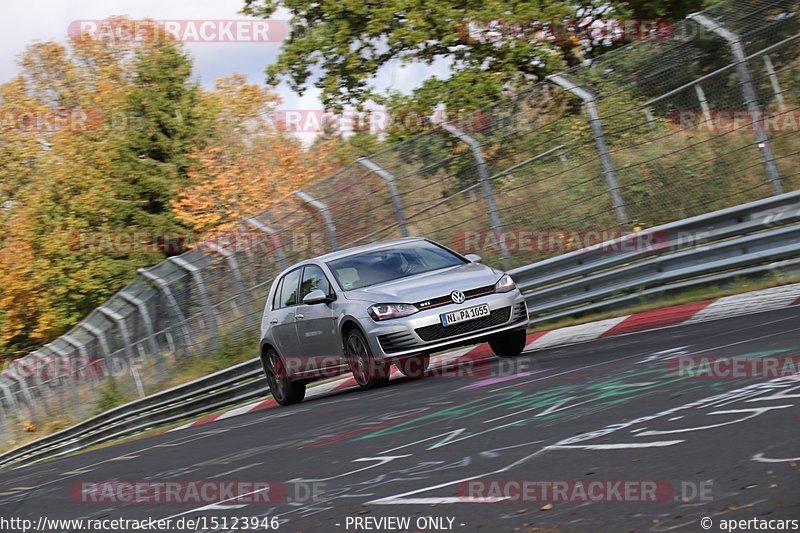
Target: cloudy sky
<point>41,20</point>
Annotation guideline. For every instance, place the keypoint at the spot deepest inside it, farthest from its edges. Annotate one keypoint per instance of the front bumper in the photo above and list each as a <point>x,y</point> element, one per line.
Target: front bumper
<point>423,332</point>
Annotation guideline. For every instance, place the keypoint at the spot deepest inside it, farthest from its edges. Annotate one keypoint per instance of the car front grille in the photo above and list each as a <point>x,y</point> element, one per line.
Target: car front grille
<point>397,342</point>
<point>438,331</point>
<point>445,300</point>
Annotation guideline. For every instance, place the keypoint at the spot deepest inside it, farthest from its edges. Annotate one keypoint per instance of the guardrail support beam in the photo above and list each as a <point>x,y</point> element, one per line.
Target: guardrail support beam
<point>748,94</point>
<point>483,177</point>
<point>773,80</point>
<point>197,276</point>
<point>148,323</point>
<point>274,237</point>
<point>119,320</point>
<point>388,177</point>
<point>326,216</point>
<point>230,257</point>
<point>172,303</point>
<point>600,142</point>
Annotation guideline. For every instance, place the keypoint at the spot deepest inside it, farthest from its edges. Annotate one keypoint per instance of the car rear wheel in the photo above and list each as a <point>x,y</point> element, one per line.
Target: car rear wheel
<point>367,371</point>
<point>508,344</point>
<point>283,389</point>
<point>414,366</point>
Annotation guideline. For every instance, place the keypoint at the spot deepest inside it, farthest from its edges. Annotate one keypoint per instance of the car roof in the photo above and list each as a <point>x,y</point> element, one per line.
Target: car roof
<point>364,248</point>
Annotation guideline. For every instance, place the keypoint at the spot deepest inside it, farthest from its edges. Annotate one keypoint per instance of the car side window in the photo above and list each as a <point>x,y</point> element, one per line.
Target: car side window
<point>289,288</point>
<point>276,299</point>
<point>314,278</point>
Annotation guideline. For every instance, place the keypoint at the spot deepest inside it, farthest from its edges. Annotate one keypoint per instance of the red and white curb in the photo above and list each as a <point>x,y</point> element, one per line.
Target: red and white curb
<point>691,313</point>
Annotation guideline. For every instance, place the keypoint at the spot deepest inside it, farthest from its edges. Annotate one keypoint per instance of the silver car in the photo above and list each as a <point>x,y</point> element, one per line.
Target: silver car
<point>362,309</point>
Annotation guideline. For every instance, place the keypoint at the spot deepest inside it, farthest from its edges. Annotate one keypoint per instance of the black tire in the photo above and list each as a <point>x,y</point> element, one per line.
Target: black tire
<point>508,344</point>
<point>415,366</point>
<point>368,372</point>
<point>284,390</point>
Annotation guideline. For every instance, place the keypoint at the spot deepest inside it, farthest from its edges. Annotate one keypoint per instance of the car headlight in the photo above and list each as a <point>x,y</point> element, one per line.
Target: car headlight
<point>505,284</point>
<point>386,311</point>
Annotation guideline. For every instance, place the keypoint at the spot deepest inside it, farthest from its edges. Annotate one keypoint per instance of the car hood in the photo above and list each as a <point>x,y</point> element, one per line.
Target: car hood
<point>428,285</point>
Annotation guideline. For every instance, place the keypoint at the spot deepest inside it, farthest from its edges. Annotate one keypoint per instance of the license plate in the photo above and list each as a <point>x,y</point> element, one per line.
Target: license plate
<point>463,315</point>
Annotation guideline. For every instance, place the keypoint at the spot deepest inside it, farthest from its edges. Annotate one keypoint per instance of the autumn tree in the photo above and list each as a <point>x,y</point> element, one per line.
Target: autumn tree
<point>250,163</point>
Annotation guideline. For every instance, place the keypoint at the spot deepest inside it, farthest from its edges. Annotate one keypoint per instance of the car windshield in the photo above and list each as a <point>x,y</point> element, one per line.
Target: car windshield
<point>391,263</point>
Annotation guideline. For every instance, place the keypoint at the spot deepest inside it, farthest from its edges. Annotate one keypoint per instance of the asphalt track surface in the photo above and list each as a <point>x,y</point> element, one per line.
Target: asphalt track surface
<point>727,448</point>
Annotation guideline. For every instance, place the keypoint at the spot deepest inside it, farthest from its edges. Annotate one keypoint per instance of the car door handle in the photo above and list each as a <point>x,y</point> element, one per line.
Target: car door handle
<point>298,316</point>
<point>273,321</point>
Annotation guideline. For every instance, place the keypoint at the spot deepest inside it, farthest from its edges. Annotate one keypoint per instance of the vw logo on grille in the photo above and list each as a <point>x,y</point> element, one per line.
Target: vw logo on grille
<point>457,297</point>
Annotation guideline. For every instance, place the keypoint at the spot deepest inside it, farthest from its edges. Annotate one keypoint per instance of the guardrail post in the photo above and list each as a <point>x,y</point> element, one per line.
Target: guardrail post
<point>274,237</point>
<point>483,177</point>
<point>141,305</point>
<point>230,257</point>
<point>326,216</point>
<point>388,177</point>
<point>773,80</point>
<point>197,276</point>
<point>172,303</point>
<point>748,94</point>
<point>600,142</point>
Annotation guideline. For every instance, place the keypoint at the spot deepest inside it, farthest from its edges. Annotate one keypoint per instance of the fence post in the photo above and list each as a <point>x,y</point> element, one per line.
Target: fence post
<point>483,177</point>
<point>119,320</point>
<point>701,97</point>
<point>24,390</point>
<point>172,303</point>
<point>69,379</point>
<point>274,237</point>
<point>773,80</point>
<point>230,258</point>
<point>101,338</point>
<point>326,216</point>
<point>148,323</point>
<point>197,276</point>
<point>748,94</point>
<point>388,177</point>
<point>600,142</point>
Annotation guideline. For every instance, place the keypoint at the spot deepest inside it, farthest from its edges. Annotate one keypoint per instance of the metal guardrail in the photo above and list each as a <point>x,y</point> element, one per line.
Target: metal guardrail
<point>737,241</point>
<point>227,387</point>
<point>742,240</point>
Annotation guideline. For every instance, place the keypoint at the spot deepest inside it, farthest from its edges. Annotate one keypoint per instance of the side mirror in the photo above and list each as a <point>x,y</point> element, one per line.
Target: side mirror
<point>473,258</point>
<point>316,297</point>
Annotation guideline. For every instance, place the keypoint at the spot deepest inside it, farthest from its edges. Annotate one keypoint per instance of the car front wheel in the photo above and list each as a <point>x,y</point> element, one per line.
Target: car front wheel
<point>368,372</point>
<point>283,389</point>
<point>509,344</point>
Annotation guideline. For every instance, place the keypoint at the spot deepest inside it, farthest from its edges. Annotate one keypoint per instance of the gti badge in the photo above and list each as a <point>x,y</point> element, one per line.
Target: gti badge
<point>457,297</point>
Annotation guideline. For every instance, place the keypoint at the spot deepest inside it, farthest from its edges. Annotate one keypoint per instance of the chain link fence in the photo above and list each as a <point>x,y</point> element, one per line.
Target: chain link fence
<point>700,116</point>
